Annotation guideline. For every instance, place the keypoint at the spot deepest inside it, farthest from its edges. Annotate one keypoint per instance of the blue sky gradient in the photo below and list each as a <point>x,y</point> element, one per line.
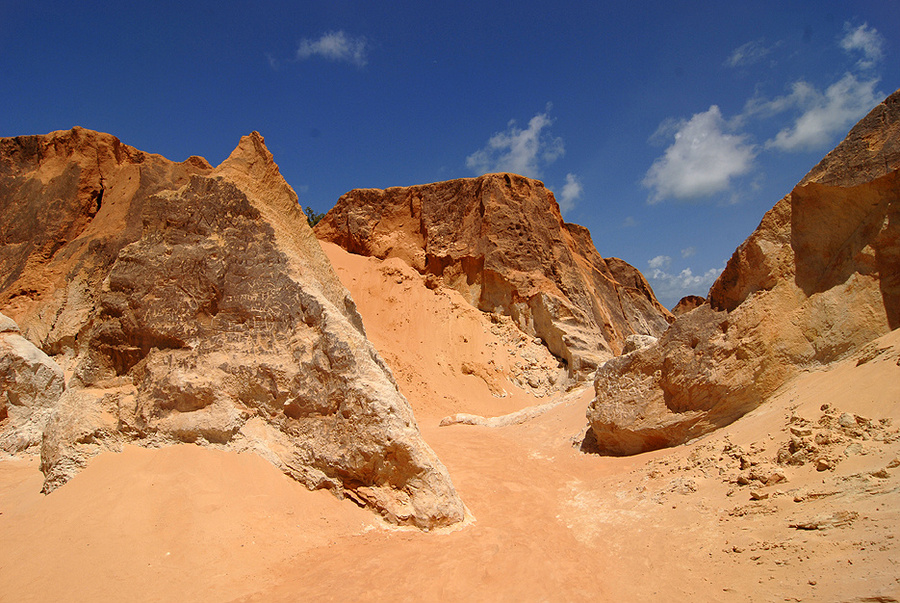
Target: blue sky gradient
<point>666,128</point>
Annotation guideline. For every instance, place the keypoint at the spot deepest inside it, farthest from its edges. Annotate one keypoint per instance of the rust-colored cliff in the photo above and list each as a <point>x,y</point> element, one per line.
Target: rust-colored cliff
<point>192,304</point>
<point>500,240</point>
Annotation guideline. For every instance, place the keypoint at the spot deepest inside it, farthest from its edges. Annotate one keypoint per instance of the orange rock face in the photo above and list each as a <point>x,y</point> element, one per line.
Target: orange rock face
<point>817,280</point>
<point>688,303</point>
<point>192,304</point>
<point>500,241</point>
<point>71,201</point>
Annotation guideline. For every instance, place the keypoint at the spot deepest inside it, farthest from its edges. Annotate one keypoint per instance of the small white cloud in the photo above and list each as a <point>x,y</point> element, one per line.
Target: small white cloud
<point>688,252</point>
<point>802,94</point>
<point>669,288</point>
<point>866,40</point>
<point>749,53</point>
<point>629,222</point>
<point>335,46</point>
<point>826,115</point>
<point>660,262</point>
<point>519,151</point>
<point>702,160</point>
<point>571,192</point>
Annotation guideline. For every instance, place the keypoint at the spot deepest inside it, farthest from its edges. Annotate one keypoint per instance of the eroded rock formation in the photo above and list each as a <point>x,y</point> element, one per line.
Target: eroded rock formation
<point>818,279</point>
<point>688,303</point>
<point>500,240</point>
<point>194,304</point>
<point>30,387</point>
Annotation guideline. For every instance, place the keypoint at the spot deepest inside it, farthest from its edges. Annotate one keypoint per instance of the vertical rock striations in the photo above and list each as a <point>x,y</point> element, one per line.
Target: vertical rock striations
<point>194,304</point>
<point>500,240</point>
<point>819,278</point>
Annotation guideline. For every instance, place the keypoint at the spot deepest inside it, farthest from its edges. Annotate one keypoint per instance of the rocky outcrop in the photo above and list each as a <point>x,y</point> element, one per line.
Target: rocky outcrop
<point>71,200</point>
<point>194,304</point>
<point>500,240</point>
<point>688,303</point>
<point>870,150</point>
<point>817,280</point>
<point>30,387</point>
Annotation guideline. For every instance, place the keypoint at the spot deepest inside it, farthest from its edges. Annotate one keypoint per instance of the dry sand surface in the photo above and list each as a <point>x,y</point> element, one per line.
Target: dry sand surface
<point>549,522</point>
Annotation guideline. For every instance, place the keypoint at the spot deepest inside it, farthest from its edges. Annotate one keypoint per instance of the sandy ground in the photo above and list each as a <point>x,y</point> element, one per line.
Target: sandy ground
<point>550,523</point>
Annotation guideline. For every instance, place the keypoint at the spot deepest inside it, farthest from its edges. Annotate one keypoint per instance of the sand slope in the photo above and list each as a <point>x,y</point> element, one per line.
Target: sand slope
<point>550,523</point>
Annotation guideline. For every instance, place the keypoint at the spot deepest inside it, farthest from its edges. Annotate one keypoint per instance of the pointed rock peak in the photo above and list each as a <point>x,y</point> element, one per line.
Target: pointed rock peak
<point>252,168</point>
<point>250,150</point>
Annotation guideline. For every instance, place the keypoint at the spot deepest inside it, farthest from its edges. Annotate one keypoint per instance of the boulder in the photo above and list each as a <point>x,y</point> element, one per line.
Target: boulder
<point>213,317</point>
<point>31,384</point>
<point>500,240</point>
<point>816,281</point>
<point>638,342</point>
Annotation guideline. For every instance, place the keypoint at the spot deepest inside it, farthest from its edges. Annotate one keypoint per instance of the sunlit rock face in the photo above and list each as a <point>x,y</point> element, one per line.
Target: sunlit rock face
<point>193,304</point>
<point>500,240</point>
<point>818,279</point>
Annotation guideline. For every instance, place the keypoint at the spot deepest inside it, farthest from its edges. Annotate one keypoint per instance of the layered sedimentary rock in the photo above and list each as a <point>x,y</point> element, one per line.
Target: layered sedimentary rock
<point>194,304</point>
<point>819,278</point>
<point>500,240</point>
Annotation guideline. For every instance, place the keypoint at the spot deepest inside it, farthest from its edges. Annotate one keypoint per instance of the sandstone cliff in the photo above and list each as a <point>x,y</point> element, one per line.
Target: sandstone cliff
<point>818,279</point>
<point>192,304</point>
<point>500,240</point>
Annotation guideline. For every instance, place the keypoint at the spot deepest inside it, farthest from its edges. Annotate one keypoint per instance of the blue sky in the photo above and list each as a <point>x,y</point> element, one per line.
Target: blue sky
<point>667,128</point>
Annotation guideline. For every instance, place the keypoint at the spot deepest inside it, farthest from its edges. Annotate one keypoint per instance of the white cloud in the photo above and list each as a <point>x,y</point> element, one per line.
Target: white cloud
<point>828,114</point>
<point>335,46</point>
<point>629,222</point>
<point>571,192</point>
<point>688,252</point>
<point>702,160</point>
<point>659,263</point>
<point>519,151</point>
<point>802,94</point>
<point>866,40</point>
<point>749,53</point>
<point>669,288</point>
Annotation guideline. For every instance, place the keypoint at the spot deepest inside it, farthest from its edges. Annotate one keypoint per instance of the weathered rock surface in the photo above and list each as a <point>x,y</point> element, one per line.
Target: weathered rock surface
<point>194,305</point>
<point>71,201</point>
<point>688,303</point>
<point>500,240</point>
<point>30,386</point>
<point>817,280</point>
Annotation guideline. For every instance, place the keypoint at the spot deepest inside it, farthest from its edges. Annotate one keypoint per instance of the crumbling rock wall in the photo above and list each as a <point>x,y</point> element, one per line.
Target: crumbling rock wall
<point>500,240</point>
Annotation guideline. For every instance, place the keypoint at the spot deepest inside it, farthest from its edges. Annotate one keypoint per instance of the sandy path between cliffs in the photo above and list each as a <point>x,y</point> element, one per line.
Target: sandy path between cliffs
<point>550,523</point>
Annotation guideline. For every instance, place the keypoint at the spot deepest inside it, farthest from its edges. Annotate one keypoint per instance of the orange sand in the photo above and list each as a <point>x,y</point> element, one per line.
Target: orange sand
<point>550,523</point>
